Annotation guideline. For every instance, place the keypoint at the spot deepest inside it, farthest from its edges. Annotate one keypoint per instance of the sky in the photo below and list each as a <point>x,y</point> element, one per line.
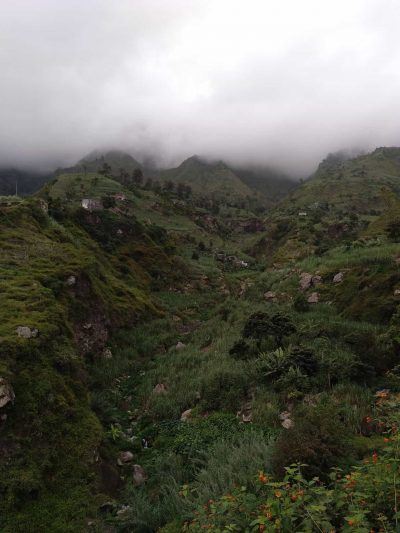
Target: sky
<point>263,82</point>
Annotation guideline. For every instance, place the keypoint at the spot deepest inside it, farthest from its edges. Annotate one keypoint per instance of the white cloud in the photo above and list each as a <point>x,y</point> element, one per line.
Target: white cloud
<point>282,82</point>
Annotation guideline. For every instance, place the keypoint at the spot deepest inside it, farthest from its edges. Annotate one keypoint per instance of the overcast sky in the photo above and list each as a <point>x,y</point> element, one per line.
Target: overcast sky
<point>279,82</point>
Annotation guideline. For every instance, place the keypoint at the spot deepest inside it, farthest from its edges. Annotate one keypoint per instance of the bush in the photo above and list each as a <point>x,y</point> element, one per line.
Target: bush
<point>318,439</point>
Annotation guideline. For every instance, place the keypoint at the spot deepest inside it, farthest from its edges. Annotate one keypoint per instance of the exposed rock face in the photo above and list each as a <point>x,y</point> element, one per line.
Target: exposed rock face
<point>139,475</point>
<point>6,393</point>
<point>186,415</point>
<point>26,332</point>
<point>180,345</point>
<point>160,388</point>
<point>305,280</point>
<point>338,278</point>
<point>125,457</point>
<point>313,298</point>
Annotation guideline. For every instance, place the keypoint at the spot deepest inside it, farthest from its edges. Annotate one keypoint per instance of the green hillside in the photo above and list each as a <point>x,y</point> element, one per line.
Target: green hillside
<point>216,180</point>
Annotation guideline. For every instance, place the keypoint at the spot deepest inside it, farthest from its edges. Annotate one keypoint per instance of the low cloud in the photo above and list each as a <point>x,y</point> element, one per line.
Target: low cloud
<point>260,82</point>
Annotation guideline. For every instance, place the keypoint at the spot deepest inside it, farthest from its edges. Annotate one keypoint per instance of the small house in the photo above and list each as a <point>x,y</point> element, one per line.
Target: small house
<point>91,204</point>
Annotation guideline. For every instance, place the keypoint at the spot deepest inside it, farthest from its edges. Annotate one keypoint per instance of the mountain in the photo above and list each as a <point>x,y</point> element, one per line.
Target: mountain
<point>213,179</point>
<point>117,160</point>
<point>23,181</point>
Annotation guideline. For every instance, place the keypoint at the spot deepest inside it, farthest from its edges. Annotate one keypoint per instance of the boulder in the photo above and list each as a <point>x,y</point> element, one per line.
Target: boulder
<point>107,353</point>
<point>160,388</point>
<point>305,280</point>
<point>26,332</point>
<point>313,298</point>
<point>125,457</point>
<point>287,423</point>
<point>316,280</point>
<point>270,296</point>
<point>6,393</point>
<point>71,280</point>
<point>338,278</point>
<point>139,475</point>
<point>186,415</point>
<point>180,345</point>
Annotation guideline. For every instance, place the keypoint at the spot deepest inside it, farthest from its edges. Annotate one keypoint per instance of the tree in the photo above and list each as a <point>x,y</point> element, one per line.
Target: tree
<point>137,176</point>
<point>261,325</point>
<point>169,186</point>
<point>105,170</point>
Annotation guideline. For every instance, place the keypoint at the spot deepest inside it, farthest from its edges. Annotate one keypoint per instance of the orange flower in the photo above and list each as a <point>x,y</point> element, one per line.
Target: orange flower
<point>262,477</point>
<point>278,493</point>
<point>375,457</point>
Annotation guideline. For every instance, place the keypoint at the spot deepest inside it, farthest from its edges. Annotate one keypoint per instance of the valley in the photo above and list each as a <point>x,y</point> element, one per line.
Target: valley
<point>186,350</point>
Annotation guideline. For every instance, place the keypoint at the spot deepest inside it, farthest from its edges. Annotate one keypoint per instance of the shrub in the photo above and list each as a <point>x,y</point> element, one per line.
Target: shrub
<point>319,439</point>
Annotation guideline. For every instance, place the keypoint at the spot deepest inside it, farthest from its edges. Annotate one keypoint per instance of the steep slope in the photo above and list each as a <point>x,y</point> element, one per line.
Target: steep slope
<point>335,205</point>
<point>66,284</point>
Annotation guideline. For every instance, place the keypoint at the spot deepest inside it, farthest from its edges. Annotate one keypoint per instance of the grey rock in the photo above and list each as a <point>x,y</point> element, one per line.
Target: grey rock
<point>160,388</point>
<point>71,280</point>
<point>287,423</point>
<point>107,353</point>
<point>26,332</point>
<point>338,278</point>
<point>186,415</point>
<point>6,392</point>
<point>139,475</point>
<point>180,345</point>
<point>270,296</point>
<point>316,280</point>
<point>313,298</point>
<point>125,457</point>
<point>305,280</point>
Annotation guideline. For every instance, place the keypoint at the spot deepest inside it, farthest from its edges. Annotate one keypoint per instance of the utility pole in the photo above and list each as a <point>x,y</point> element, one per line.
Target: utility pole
<point>16,187</point>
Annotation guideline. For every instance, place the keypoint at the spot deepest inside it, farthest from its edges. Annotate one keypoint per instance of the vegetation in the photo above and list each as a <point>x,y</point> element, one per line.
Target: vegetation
<point>178,371</point>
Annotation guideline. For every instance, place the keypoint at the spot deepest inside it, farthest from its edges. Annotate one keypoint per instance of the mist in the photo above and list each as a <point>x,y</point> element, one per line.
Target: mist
<point>251,82</point>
